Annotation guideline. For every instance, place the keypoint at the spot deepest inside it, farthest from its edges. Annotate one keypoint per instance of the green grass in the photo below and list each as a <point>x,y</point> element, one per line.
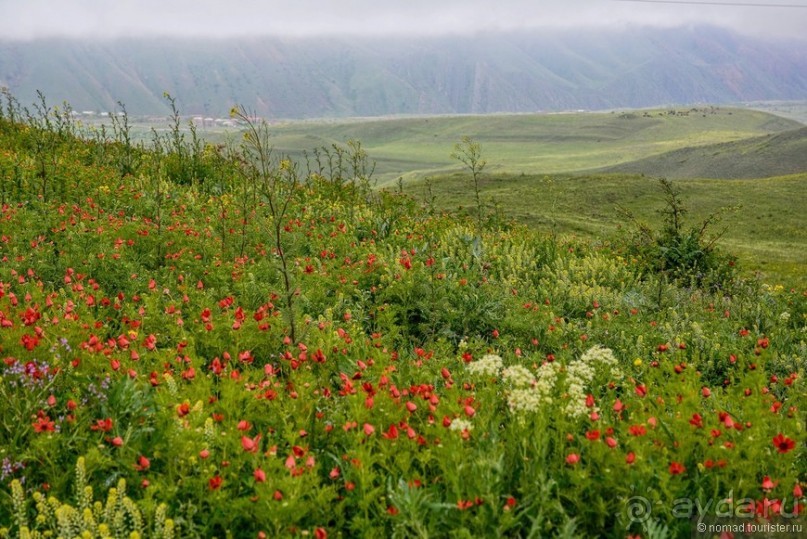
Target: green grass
<point>763,156</point>
<point>767,232</point>
<point>412,148</point>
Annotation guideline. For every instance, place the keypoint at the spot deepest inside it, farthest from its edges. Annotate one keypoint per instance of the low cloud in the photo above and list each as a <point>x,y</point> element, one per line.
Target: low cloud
<point>30,19</point>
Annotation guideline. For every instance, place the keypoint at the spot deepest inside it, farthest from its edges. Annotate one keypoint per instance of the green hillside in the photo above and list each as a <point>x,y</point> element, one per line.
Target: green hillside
<point>756,157</point>
<point>531,143</point>
<point>767,232</point>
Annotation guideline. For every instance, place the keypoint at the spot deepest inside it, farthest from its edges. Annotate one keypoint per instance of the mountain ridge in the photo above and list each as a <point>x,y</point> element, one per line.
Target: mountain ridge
<point>473,74</point>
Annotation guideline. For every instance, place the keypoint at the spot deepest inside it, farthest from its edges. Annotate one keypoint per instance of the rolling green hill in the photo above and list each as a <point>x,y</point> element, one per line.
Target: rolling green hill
<point>757,157</point>
<point>533,143</point>
<point>766,232</point>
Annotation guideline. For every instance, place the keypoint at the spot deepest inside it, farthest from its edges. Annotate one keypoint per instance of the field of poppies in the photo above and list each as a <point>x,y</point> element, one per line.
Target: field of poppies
<point>203,341</point>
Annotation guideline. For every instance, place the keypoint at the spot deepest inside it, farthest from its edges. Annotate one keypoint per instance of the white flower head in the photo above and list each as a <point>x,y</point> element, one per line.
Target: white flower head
<point>461,425</point>
<point>487,365</point>
<point>524,400</point>
<point>518,376</point>
<point>580,374</point>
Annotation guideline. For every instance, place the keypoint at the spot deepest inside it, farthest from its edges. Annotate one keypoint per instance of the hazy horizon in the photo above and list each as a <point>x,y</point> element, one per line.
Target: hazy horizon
<point>100,19</point>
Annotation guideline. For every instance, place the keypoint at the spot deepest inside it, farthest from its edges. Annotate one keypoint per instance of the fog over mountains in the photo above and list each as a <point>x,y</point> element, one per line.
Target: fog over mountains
<point>523,71</point>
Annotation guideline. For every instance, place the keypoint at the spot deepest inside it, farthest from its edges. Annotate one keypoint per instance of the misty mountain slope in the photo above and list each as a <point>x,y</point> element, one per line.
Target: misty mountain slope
<point>338,77</point>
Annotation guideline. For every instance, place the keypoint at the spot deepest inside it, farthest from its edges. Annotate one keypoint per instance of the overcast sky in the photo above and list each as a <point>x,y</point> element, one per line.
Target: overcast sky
<point>26,19</point>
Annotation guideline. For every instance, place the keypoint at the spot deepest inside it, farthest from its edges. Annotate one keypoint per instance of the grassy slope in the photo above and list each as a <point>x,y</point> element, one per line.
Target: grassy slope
<point>530,143</point>
<point>756,157</point>
<point>767,233</point>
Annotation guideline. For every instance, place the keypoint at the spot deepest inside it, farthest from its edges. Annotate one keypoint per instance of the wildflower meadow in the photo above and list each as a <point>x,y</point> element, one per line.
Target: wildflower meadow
<point>217,341</point>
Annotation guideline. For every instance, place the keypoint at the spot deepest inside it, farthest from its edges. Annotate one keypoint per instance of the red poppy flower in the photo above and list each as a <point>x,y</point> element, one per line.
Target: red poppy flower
<point>104,425</point>
<point>215,482</point>
<point>30,316</point>
<point>183,409</point>
<point>676,468</point>
<point>392,433</point>
<point>637,430</point>
<point>766,508</point>
<point>142,464</point>
<point>44,424</point>
<point>251,445</point>
<point>782,443</point>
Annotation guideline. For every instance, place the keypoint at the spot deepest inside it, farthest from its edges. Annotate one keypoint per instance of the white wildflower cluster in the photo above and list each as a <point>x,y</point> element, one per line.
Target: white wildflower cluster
<point>528,391</point>
<point>545,380</point>
<point>602,355</point>
<point>487,365</point>
<point>518,376</point>
<point>524,400</point>
<point>531,396</point>
<point>580,374</point>
<point>460,425</point>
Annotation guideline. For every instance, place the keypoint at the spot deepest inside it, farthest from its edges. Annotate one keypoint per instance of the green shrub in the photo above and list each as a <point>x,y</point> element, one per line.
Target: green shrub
<point>686,254</point>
